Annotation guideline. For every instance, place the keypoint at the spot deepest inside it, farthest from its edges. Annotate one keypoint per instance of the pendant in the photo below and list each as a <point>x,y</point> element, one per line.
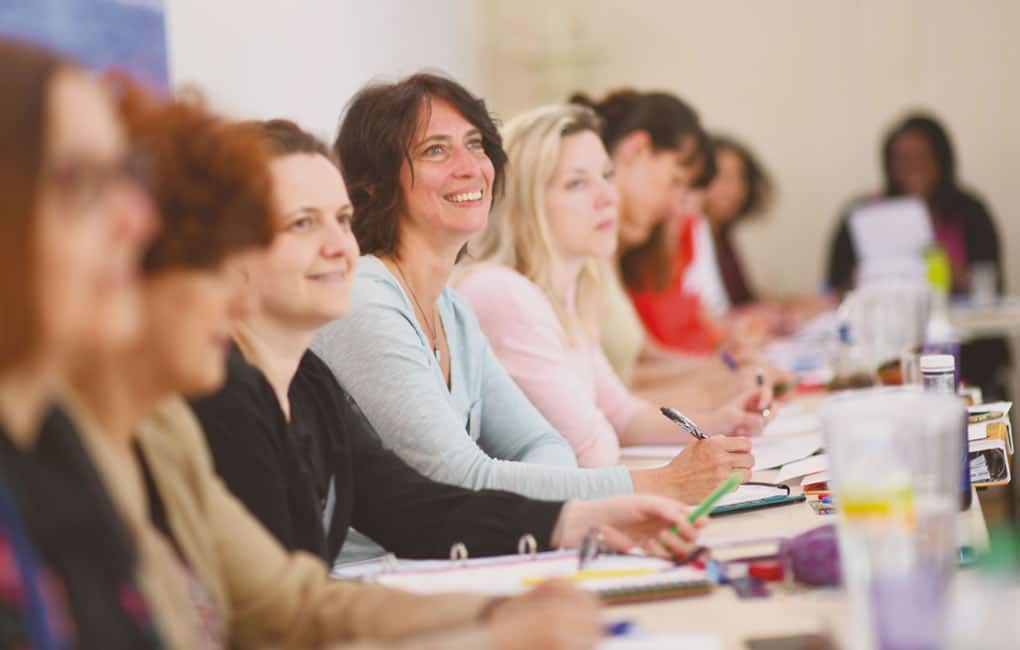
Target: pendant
<point>439,355</point>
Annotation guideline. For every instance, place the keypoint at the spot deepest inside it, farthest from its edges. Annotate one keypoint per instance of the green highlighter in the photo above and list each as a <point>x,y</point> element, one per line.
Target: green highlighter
<point>706,506</point>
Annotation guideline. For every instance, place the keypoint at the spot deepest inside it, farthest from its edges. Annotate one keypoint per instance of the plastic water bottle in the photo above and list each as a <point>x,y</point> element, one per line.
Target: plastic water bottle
<point>938,373</point>
<point>940,337</point>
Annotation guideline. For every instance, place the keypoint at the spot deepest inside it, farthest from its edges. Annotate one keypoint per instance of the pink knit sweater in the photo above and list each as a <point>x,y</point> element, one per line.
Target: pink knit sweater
<point>572,385</point>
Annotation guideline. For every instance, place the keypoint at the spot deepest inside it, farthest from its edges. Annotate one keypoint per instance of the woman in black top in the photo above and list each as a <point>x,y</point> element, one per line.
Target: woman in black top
<point>918,160</point>
<point>293,446</point>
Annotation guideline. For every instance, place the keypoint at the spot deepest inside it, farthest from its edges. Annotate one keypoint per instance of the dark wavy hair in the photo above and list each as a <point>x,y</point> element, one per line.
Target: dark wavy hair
<point>947,191</point>
<point>756,178</point>
<point>671,124</point>
<point>374,140</point>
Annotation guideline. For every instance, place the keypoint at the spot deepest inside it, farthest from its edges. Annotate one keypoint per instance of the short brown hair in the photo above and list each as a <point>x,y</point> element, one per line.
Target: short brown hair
<point>209,178</point>
<point>26,75</point>
<point>375,139</point>
<point>286,137</point>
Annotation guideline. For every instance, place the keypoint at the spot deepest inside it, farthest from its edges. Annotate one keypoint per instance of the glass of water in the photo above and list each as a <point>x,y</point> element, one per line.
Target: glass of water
<point>894,458</point>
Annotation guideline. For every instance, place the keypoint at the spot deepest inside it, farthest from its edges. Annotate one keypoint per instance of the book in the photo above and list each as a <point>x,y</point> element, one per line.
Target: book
<point>615,579</point>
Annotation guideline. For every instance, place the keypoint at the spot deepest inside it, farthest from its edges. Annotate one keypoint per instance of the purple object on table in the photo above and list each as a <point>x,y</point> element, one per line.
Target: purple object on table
<point>813,557</point>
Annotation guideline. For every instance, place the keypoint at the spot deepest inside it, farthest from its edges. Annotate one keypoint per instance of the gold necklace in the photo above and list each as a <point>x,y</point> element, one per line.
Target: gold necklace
<point>431,328</point>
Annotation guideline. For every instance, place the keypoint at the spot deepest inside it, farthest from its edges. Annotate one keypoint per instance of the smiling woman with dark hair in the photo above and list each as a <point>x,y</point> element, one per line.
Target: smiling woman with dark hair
<point>423,159</point>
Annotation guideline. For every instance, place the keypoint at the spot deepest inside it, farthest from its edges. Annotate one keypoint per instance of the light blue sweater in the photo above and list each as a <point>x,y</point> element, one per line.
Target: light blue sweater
<point>482,432</point>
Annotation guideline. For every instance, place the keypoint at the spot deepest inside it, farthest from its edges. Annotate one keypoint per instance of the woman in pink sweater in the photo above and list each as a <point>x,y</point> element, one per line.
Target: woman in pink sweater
<point>536,290</point>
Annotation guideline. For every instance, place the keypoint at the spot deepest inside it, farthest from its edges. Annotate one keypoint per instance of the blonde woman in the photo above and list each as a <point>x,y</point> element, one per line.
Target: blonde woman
<point>535,288</point>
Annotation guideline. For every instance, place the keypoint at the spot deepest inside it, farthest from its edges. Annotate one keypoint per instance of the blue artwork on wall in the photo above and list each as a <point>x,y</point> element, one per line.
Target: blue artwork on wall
<point>100,34</point>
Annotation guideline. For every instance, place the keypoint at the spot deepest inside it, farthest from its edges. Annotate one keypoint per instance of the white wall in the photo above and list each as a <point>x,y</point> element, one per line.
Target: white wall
<point>810,85</point>
<point>304,59</point>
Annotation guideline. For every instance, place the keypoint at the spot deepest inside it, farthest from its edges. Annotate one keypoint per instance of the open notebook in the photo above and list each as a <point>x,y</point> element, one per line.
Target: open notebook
<point>769,453</point>
<point>616,579</point>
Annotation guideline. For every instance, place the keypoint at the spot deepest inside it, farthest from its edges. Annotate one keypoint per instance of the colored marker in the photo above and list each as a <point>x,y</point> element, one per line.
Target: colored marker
<point>706,506</point>
<point>728,359</point>
<point>619,628</point>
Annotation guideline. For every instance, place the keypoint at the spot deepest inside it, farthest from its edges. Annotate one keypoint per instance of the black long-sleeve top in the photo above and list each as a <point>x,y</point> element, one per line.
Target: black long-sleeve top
<point>283,472</point>
<point>78,536</point>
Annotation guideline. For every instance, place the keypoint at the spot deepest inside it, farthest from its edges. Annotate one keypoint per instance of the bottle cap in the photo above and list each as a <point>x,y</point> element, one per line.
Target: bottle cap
<point>937,363</point>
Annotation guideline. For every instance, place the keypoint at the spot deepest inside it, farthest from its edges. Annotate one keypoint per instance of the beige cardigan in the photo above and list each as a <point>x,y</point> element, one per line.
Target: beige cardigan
<point>268,597</point>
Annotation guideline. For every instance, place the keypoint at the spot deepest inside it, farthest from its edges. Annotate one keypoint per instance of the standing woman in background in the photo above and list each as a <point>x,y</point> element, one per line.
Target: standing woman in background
<point>71,230</point>
<point>536,289</point>
<point>918,160</point>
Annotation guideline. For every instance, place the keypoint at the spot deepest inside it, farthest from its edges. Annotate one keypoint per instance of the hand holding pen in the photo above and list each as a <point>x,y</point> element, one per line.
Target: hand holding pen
<point>703,465</point>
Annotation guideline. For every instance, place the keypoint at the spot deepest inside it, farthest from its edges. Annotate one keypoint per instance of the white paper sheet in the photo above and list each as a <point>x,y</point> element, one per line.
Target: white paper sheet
<point>749,493</point>
<point>785,424</point>
<point>817,477</point>
<point>812,465</point>
<point>769,453</point>
<point>514,575</point>
<point>894,228</point>
<point>979,431</point>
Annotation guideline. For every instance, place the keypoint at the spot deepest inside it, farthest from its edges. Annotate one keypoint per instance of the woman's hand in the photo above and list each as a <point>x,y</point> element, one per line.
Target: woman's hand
<point>555,615</point>
<point>700,468</point>
<point>656,524</point>
<point>744,415</point>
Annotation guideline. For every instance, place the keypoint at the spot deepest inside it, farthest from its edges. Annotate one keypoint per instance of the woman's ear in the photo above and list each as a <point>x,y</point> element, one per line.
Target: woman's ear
<point>632,146</point>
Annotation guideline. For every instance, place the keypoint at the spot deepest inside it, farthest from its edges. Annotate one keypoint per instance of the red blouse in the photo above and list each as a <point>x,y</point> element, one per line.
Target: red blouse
<point>674,317</point>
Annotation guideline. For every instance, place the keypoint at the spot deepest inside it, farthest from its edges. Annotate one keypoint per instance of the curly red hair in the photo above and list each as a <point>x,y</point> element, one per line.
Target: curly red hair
<point>209,178</point>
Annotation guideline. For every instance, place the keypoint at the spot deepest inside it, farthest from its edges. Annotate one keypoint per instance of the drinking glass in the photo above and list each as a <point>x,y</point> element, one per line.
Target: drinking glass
<point>894,460</point>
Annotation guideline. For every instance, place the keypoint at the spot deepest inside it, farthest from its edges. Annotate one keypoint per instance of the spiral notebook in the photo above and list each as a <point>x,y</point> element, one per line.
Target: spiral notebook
<point>616,579</point>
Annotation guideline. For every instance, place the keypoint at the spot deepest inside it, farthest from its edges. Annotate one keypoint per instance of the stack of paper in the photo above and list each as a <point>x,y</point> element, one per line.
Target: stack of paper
<point>615,578</point>
<point>979,430</point>
<point>806,467</point>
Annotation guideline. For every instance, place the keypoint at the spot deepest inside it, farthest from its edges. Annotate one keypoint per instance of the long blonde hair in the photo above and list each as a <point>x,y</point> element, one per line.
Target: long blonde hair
<point>518,233</point>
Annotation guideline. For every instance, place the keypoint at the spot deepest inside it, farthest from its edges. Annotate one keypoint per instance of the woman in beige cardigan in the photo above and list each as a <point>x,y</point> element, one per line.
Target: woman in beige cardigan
<point>217,577</point>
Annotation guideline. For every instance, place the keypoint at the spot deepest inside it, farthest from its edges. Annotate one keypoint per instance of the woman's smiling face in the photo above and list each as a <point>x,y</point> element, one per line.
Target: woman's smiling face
<point>449,189</point>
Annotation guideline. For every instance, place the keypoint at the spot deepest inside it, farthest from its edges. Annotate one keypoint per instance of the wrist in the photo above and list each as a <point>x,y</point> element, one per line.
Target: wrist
<point>574,523</point>
<point>645,481</point>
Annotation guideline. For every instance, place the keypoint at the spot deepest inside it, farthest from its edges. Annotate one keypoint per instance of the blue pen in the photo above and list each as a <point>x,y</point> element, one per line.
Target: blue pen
<point>728,359</point>
<point>619,628</point>
<point>826,499</point>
